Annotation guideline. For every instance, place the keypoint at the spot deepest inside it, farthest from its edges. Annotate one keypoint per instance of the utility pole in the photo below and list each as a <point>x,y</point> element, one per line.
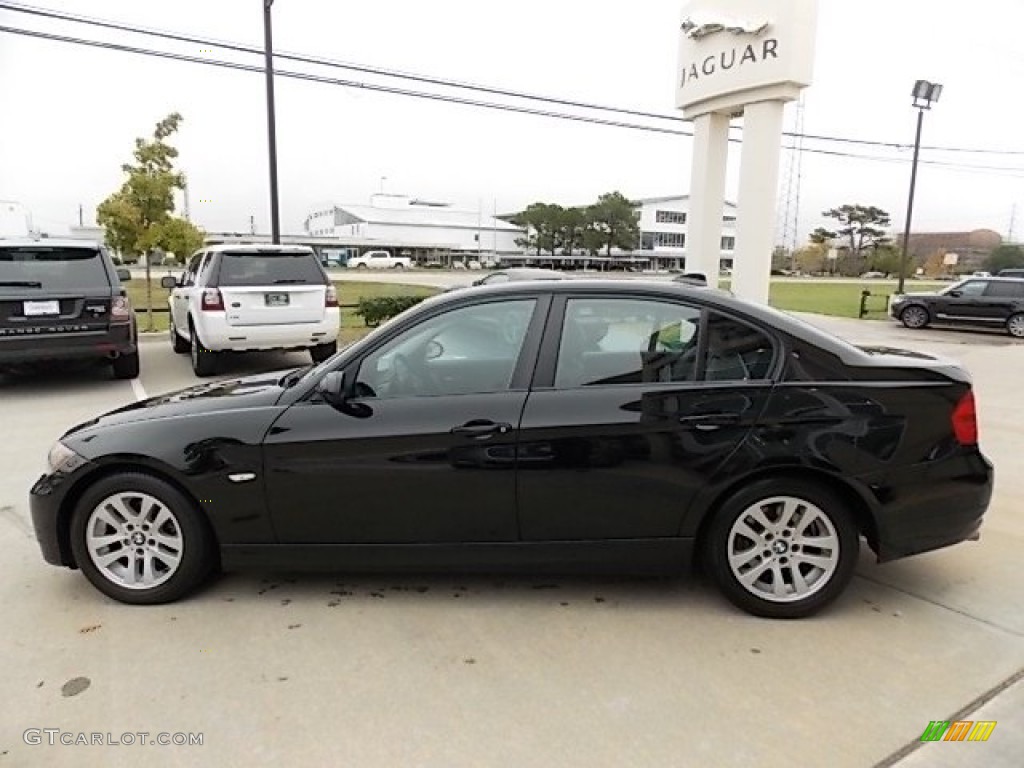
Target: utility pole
<point>1013,221</point>
<point>186,213</point>
<point>81,217</point>
<point>268,49</point>
<point>252,225</point>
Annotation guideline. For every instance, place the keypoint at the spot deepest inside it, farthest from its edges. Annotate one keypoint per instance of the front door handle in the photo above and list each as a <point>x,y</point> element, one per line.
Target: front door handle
<point>480,430</point>
<point>709,421</point>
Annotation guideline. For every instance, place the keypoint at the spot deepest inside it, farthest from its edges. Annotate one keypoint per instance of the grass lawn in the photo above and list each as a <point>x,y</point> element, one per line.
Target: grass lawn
<point>838,299</point>
<point>348,293</point>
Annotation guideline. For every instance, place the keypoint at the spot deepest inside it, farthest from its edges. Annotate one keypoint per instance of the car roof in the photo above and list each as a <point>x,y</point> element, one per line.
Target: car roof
<point>48,242</point>
<point>260,247</point>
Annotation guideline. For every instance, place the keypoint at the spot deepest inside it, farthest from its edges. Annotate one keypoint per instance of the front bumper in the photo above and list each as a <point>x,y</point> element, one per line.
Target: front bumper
<point>81,345</point>
<point>46,500</point>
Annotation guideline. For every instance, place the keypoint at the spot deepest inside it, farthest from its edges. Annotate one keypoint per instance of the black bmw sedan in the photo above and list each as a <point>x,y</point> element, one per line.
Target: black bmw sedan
<point>552,426</point>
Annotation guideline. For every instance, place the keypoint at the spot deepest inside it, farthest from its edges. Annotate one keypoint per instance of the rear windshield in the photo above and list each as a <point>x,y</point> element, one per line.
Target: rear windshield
<point>31,269</point>
<point>255,268</point>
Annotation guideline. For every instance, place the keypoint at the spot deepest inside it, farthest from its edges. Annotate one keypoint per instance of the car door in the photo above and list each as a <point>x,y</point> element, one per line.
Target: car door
<point>1001,299</point>
<point>636,404</point>
<point>963,302</point>
<point>423,449</point>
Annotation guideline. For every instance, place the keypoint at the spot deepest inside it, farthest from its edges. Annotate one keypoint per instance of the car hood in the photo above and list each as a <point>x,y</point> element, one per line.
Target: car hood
<point>255,391</point>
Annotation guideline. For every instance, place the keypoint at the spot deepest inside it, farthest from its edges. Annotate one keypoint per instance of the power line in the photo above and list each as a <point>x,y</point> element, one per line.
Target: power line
<point>448,83</point>
<point>447,98</point>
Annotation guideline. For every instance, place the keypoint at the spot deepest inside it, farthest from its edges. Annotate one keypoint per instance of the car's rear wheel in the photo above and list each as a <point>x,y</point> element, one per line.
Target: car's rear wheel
<point>782,548</point>
<point>360,266</point>
<point>915,317</point>
<point>204,361</point>
<point>140,540</point>
<point>1015,325</point>
<point>178,342</point>
<point>321,352</point>
<point>126,366</point>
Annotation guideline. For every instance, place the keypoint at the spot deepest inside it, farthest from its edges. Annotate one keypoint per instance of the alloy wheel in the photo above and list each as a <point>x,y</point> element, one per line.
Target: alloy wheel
<point>783,549</point>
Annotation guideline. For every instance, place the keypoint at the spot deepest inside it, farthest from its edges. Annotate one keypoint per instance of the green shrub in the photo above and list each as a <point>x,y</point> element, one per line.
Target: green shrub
<point>377,309</point>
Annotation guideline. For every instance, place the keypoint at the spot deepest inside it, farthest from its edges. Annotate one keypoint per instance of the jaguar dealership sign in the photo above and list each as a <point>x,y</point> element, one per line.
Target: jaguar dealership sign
<point>728,48</point>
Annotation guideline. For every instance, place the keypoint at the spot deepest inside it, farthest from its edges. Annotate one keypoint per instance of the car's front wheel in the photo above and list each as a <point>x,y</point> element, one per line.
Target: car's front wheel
<point>140,540</point>
<point>360,266</point>
<point>915,317</point>
<point>1015,325</point>
<point>178,343</point>
<point>782,548</point>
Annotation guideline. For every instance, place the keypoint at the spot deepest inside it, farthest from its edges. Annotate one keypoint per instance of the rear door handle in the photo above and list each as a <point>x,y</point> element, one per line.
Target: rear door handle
<point>480,430</point>
<point>709,421</point>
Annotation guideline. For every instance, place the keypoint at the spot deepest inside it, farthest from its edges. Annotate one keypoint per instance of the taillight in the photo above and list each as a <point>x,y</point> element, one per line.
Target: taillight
<point>965,420</point>
<point>212,300</point>
<point>331,297</point>
<point>120,309</point>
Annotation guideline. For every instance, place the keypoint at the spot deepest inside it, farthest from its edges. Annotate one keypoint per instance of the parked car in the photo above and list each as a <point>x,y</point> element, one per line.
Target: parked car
<point>1011,273</point>
<point>873,275</point>
<point>519,274</point>
<point>242,298</point>
<point>379,260</point>
<point>991,302</point>
<point>539,426</point>
<point>691,278</point>
<point>64,300</point>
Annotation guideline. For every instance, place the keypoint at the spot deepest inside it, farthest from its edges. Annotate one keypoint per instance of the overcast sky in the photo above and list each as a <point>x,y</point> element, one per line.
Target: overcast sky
<point>70,114</point>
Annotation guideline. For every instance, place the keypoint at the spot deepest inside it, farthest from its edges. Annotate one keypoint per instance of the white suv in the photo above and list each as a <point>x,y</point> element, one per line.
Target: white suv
<point>242,298</point>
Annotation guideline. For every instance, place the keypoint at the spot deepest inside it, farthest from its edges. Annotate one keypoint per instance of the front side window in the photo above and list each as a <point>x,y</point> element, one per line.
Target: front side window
<point>470,350</point>
<point>497,277</point>
<point>970,288</point>
<point>626,341</point>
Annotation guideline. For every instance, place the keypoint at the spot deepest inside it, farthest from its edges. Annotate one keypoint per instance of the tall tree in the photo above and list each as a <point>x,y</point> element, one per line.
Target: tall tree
<point>1004,257</point>
<point>541,222</point>
<point>571,224</point>
<point>861,227</point>
<point>615,219</point>
<point>136,217</point>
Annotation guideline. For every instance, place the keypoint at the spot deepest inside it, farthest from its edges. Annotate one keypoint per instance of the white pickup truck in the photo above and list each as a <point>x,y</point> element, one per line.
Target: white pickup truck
<point>379,260</point>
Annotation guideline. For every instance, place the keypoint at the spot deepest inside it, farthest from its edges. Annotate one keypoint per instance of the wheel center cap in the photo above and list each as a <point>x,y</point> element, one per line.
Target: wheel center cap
<point>138,538</point>
<point>780,547</point>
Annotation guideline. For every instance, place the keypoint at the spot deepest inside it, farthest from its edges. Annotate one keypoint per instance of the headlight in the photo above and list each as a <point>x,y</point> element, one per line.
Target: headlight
<point>63,459</point>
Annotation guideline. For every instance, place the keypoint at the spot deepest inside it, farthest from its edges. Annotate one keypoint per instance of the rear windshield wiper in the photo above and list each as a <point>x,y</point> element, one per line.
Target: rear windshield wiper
<point>21,284</point>
<point>284,280</point>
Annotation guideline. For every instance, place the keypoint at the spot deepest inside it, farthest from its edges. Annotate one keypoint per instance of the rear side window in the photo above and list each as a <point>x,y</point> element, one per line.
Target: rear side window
<point>243,268</point>
<point>999,289</point>
<point>736,351</point>
<point>31,269</point>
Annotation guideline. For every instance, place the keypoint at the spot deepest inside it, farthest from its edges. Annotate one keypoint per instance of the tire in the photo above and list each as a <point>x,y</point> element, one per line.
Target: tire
<point>399,267</point>
<point>915,317</point>
<point>792,513</point>
<point>179,344</point>
<point>126,366</point>
<point>204,361</point>
<point>321,352</point>
<point>1015,325</point>
<point>141,507</point>
<point>360,266</point>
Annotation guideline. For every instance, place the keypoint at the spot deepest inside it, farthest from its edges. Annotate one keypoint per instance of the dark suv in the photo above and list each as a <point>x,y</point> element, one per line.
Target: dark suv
<point>63,300</point>
<point>989,302</point>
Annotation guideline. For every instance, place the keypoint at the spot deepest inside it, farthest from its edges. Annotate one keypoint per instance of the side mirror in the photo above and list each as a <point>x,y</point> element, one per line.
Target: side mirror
<point>124,275</point>
<point>169,282</point>
<point>332,387</point>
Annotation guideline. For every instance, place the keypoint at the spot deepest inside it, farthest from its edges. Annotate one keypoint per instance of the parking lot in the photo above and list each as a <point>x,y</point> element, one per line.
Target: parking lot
<point>453,671</point>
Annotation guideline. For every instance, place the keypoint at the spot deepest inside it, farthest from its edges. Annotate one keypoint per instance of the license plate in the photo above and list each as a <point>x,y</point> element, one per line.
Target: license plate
<point>37,308</point>
<point>276,299</point>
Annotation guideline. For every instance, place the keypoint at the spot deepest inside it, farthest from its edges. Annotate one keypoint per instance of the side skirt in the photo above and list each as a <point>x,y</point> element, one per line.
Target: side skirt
<point>625,556</point>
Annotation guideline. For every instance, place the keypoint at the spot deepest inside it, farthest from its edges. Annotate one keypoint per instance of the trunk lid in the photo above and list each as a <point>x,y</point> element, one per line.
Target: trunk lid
<point>273,304</point>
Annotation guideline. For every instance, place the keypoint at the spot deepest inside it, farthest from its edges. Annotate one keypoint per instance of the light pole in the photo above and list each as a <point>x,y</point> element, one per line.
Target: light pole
<point>925,94</point>
<point>268,49</point>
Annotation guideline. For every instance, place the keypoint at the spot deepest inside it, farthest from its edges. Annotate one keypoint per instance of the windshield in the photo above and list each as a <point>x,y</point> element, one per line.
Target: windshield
<point>244,268</point>
<point>31,269</point>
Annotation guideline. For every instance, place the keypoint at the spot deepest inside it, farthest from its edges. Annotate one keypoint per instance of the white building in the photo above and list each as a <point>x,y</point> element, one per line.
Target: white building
<point>402,222</point>
<point>663,229</point>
